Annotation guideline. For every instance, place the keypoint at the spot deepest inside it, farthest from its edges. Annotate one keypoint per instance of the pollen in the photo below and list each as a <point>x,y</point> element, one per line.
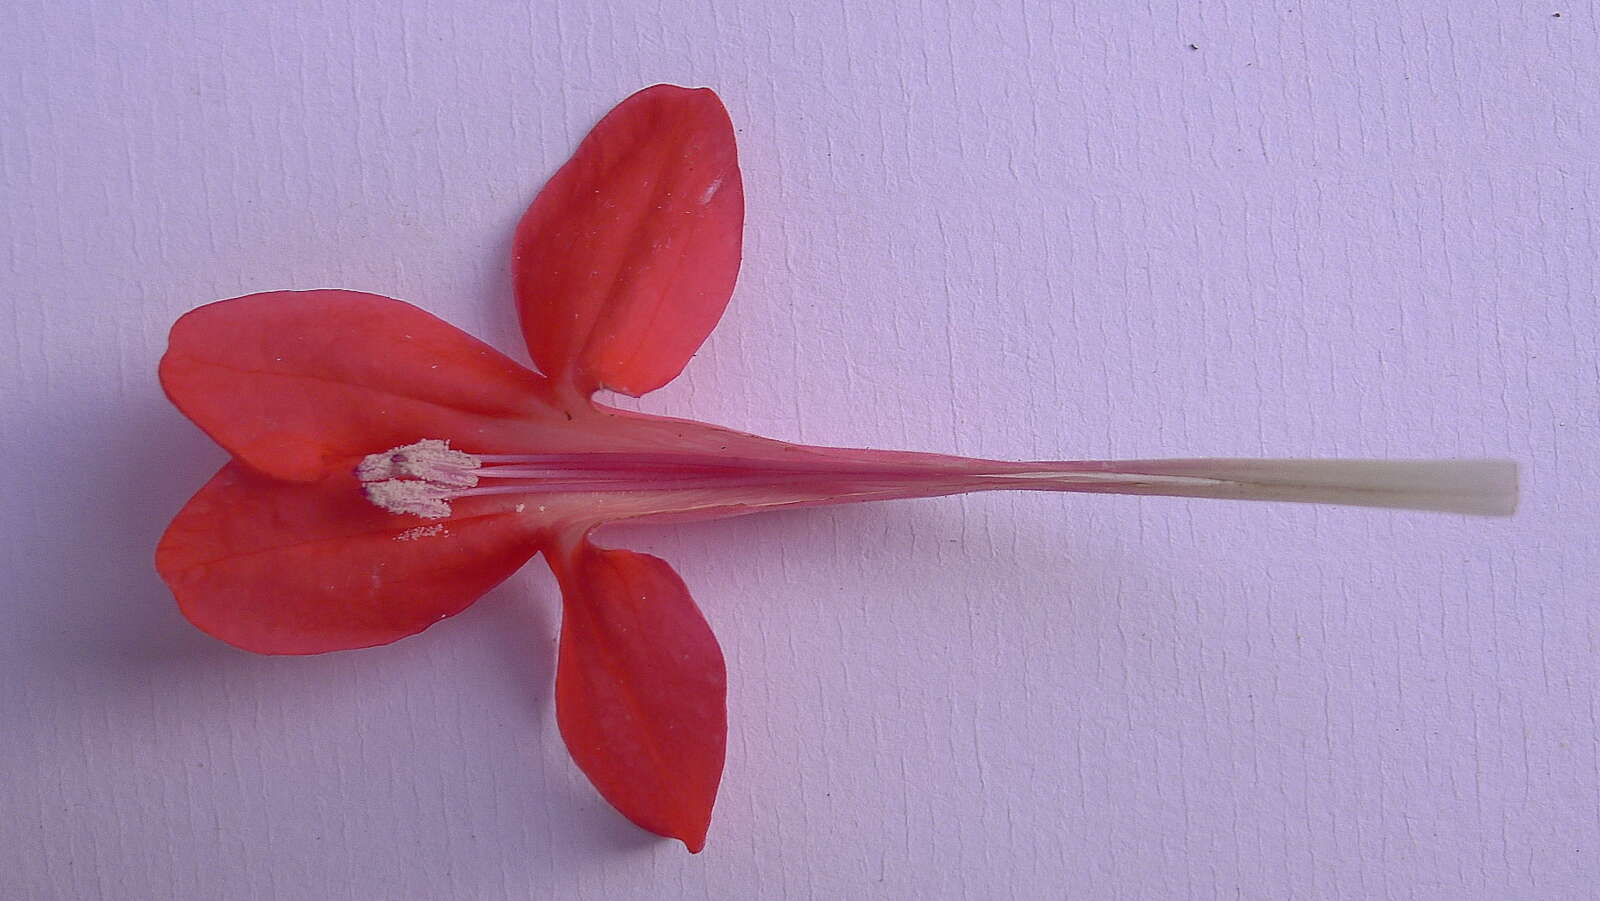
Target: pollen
<point>431,459</point>
<point>418,532</point>
<point>419,479</point>
<point>410,496</point>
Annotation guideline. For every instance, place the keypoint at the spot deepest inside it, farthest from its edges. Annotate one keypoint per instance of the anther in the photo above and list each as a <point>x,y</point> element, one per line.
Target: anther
<point>419,479</point>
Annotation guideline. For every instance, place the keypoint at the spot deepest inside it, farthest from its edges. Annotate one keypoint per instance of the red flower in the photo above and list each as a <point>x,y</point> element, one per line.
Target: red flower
<point>389,469</point>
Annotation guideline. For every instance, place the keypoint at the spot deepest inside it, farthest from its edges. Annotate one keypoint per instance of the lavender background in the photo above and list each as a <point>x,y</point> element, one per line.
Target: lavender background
<point>1019,229</point>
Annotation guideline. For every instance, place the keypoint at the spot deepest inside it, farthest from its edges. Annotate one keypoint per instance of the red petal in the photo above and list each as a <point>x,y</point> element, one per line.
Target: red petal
<point>297,383</point>
<point>641,690</point>
<point>301,568</point>
<point>626,259</point>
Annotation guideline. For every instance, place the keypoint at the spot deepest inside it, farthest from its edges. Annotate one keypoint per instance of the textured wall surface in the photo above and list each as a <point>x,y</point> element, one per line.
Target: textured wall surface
<point>1020,229</point>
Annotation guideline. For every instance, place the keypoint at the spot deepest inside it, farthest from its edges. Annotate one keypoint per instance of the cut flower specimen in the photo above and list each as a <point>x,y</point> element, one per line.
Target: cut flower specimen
<point>388,469</point>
